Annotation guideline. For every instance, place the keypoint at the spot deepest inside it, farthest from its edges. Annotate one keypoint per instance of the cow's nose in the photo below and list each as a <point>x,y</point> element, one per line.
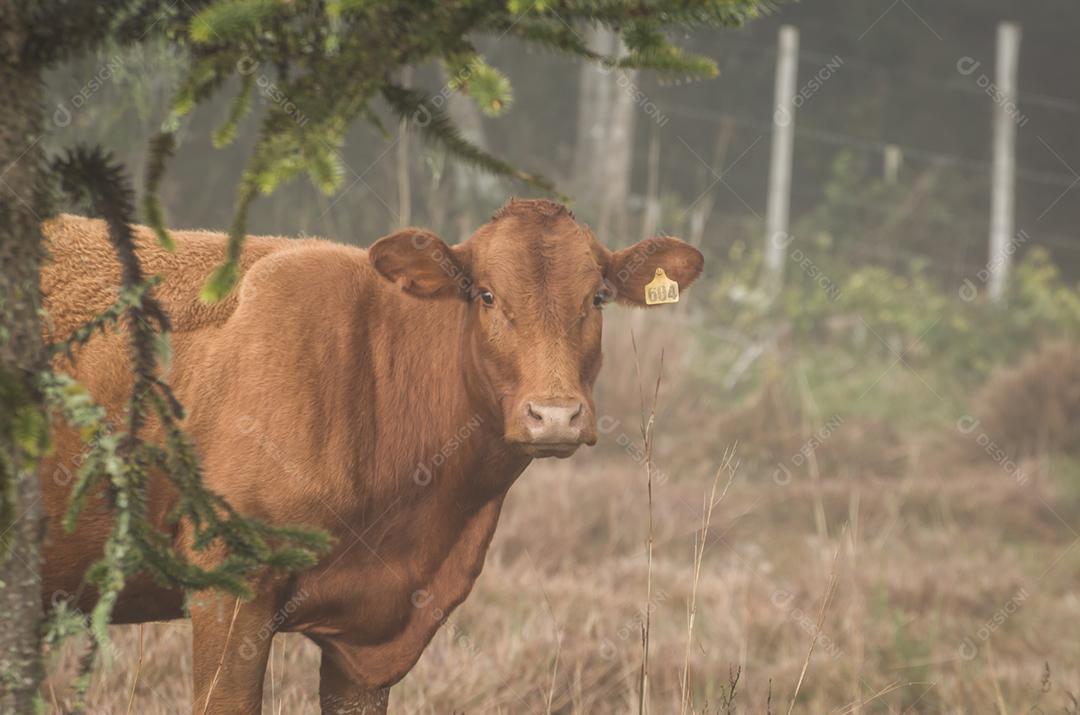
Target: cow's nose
<point>554,423</point>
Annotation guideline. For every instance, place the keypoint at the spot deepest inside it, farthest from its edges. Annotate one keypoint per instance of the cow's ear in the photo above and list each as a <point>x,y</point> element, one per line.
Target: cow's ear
<point>631,269</point>
<point>419,262</point>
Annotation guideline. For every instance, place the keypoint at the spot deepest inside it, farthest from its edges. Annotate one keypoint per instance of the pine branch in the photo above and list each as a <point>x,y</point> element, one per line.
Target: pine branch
<point>488,87</point>
<point>231,20</point>
<point>325,59</point>
<point>671,60</point>
<point>162,147</point>
<point>550,33</point>
<point>125,301</point>
<point>685,14</point>
<point>435,126</point>
<point>240,107</point>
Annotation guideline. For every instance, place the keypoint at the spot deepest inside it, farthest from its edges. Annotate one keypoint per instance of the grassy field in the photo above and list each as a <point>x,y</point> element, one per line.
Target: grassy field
<point>882,559</point>
<point>953,591</point>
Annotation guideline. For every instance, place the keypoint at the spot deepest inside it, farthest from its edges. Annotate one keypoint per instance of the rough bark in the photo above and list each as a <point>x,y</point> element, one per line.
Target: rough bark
<point>594,112</point>
<point>607,103</point>
<point>404,186</point>
<point>472,188</point>
<point>22,356</point>
<point>651,221</point>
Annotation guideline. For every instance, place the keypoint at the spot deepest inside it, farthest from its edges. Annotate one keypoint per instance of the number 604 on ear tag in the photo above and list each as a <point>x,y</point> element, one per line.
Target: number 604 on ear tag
<point>661,289</point>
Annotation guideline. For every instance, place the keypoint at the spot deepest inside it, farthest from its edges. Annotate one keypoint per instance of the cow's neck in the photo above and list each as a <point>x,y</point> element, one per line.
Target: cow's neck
<point>455,445</point>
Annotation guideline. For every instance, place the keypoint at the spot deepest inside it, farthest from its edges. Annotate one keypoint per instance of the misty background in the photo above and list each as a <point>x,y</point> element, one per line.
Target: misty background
<point>888,74</point>
<point>903,443</point>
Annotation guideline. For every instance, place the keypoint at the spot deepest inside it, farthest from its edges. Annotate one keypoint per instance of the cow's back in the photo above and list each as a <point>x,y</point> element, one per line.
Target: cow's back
<point>80,279</point>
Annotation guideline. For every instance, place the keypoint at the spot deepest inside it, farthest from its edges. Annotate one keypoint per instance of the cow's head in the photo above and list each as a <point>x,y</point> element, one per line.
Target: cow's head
<point>535,283</point>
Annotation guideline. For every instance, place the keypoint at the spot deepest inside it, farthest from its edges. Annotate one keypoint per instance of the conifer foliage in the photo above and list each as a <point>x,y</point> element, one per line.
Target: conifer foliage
<point>323,63</point>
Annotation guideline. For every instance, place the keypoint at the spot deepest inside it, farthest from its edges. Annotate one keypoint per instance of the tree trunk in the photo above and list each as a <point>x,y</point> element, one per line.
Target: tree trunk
<point>404,187</point>
<point>651,221</point>
<point>603,157</point>
<point>22,423</point>
<point>473,188</point>
<point>594,106</point>
<point>613,224</point>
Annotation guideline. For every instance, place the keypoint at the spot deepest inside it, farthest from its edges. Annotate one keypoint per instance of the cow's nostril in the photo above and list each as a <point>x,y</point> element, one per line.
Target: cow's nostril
<point>575,418</point>
<point>532,414</point>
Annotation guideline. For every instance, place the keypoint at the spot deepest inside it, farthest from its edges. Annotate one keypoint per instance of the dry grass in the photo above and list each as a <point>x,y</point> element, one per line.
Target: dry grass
<point>1034,408</point>
<point>926,562</point>
<point>946,588</point>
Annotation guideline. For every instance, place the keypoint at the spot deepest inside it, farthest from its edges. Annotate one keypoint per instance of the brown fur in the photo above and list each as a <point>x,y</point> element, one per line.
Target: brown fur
<point>373,394</point>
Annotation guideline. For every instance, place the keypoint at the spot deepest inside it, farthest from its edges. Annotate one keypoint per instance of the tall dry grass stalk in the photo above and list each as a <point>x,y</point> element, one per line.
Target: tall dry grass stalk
<point>856,607</point>
<point>221,660</point>
<point>729,466</point>
<point>811,420</point>
<point>554,674</point>
<point>1002,709</point>
<point>830,591</point>
<point>858,704</point>
<point>138,671</point>
<point>647,440</point>
<point>284,660</point>
<point>273,690</point>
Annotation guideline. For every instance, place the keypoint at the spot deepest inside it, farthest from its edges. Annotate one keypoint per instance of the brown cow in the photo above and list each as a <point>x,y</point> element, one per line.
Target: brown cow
<point>389,396</point>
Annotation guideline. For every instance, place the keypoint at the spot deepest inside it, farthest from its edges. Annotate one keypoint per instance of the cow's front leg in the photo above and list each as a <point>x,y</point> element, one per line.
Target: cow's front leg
<point>341,691</point>
<point>231,643</point>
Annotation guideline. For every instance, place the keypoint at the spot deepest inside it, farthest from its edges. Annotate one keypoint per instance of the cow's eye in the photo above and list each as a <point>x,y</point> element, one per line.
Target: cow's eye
<point>600,298</point>
<point>487,297</point>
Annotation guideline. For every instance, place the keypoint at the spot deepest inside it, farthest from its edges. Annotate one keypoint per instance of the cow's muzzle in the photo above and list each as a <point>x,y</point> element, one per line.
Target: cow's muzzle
<point>555,428</point>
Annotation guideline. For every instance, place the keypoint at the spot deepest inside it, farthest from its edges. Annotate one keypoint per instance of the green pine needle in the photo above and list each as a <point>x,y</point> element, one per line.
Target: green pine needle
<point>229,20</point>
<point>220,283</point>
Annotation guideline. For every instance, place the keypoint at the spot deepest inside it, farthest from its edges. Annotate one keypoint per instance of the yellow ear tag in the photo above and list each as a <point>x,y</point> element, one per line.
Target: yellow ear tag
<point>661,289</point>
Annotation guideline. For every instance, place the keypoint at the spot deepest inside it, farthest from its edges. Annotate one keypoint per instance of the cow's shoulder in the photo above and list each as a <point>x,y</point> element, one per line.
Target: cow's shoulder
<point>307,273</point>
<point>81,277</point>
